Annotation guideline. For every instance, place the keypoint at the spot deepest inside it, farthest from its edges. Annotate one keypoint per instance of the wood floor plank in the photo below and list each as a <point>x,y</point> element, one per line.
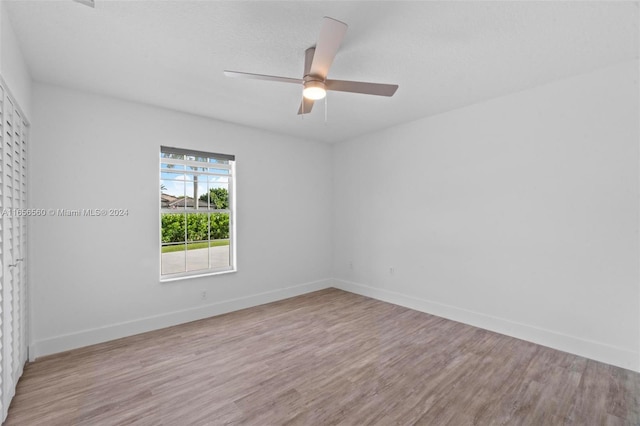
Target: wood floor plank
<point>328,357</point>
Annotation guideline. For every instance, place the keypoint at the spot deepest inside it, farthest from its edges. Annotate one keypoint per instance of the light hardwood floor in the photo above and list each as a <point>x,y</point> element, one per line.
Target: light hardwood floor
<point>328,357</point>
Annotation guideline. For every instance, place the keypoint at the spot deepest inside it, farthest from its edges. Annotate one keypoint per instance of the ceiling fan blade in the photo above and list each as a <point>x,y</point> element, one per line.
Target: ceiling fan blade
<point>331,35</point>
<point>262,77</point>
<point>308,59</point>
<point>361,87</point>
<point>90,3</point>
<point>305,106</point>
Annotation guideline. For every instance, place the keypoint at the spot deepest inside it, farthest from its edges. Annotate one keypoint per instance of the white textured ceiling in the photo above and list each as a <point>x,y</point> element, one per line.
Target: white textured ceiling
<point>443,55</point>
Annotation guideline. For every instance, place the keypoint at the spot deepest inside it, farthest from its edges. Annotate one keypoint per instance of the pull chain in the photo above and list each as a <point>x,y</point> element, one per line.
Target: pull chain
<point>325,110</point>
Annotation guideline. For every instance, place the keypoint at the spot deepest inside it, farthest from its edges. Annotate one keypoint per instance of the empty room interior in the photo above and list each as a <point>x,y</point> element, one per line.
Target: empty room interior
<point>314,213</point>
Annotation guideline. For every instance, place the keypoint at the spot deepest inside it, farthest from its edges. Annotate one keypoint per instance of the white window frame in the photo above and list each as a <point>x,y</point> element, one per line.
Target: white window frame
<point>230,166</point>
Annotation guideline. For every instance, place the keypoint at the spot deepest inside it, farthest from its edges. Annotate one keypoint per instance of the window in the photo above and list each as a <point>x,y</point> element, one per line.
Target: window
<point>197,213</point>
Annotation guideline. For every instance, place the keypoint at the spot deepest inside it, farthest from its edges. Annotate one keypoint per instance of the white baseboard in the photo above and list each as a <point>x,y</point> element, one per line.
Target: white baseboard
<point>598,351</point>
<point>115,331</point>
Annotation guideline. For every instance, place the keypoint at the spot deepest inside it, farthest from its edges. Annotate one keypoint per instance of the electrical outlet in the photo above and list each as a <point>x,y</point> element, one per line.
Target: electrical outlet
<point>392,270</point>
<point>204,295</point>
<point>350,265</point>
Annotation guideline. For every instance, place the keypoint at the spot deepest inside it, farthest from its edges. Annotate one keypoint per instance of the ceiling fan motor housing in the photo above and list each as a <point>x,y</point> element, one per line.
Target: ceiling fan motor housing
<point>314,88</point>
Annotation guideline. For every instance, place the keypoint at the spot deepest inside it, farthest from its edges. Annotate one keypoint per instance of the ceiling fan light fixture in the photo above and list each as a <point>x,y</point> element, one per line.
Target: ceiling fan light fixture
<point>317,61</point>
<point>314,90</point>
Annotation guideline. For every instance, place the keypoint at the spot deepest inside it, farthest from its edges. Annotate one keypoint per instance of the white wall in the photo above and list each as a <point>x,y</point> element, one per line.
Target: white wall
<point>95,279</point>
<point>519,215</point>
<point>12,65</point>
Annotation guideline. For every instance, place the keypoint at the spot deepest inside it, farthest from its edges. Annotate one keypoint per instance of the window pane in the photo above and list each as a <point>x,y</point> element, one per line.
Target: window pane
<point>197,256</point>
<point>196,169</point>
<point>218,161</point>
<point>219,171</point>
<point>173,249</point>
<point>173,228</point>
<point>169,167</point>
<point>219,254</point>
<point>173,262</point>
<point>189,199</point>
<point>219,226</point>
<point>218,196</point>
<point>172,156</point>
<point>218,179</point>
<point>173,175</point>
<point>197,227</point>
<point>203,199</point>
<point>171,194</point>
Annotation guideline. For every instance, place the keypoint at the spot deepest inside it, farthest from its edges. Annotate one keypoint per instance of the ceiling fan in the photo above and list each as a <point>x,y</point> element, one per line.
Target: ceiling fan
<point>317,61</point>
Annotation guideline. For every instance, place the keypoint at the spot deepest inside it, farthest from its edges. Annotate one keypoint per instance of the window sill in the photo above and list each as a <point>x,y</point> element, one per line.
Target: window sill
<point>199,275</point>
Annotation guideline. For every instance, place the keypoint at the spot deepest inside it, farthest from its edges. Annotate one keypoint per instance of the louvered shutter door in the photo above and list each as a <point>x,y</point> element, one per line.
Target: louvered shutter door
<point>13,232</point>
